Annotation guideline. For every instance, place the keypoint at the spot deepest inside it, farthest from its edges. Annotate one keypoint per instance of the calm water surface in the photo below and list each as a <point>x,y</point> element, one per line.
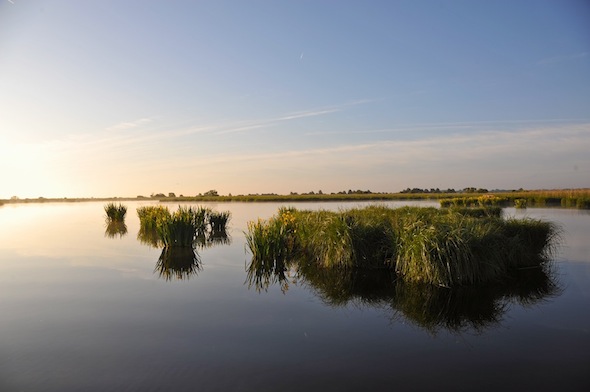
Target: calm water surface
<point>82,310</point>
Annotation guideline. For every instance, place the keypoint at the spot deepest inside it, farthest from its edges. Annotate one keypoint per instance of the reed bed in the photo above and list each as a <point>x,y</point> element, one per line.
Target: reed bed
<point>443,247</point>
<point>185,227</point>
<point>576,198</point>
<point>485,200</point>
<point>115,212</point>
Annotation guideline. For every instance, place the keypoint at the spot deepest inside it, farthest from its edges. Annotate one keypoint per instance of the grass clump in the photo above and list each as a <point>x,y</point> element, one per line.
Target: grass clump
<point>115,212</point>
<point>218,220</point>
<point>185,227</point>
<point>443,247</point>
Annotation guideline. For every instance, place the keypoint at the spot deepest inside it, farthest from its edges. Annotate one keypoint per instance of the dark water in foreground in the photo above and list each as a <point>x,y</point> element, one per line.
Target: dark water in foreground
<point>81,311</point>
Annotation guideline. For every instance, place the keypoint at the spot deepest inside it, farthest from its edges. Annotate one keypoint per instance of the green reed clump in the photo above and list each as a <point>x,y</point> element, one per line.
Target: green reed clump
<point>115,212</point>
<point>478,212</point>
<point>218,220</point>
<point>520,203</point>
<point>325,237</point>
<point>444,247</point>
<point>149,218</point>
<point>529,242</point>
<point>180,229</point>
<point>449,250</point>
<point>268,241</point>
<point>186,227</point>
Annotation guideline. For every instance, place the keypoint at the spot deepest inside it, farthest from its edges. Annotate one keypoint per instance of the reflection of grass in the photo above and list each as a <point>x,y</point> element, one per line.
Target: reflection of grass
<point>115,228</point>
<point>178,263</point>
<point>433,308</point>
<point>445,247</point>
<point>115,212</point>
<point>179,234</point>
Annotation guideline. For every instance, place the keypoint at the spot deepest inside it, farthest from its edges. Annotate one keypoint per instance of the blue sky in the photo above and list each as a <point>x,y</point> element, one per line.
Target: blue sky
<point>126,98</point>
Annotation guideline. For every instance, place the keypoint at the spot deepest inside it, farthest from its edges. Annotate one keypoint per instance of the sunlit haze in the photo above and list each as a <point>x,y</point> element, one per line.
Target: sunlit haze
<point>126,98</point>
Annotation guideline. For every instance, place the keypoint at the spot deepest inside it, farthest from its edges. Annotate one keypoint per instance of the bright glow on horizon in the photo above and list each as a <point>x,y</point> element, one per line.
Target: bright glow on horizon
<point>98,103</point>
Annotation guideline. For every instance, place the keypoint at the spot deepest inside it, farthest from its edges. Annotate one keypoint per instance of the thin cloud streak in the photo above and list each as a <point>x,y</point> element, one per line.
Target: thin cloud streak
<point>463,147</point>
<point>445,126</point>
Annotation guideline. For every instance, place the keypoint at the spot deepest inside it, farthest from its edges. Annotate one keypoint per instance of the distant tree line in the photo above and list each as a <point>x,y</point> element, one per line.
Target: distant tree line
<point>450,190</point>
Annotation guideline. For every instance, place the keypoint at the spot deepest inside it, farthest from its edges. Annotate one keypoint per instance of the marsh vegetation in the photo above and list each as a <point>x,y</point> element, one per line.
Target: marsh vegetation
<point>115,212</point>
<point>180,234</point>
<point>185,227</point>
<point>442,247</point>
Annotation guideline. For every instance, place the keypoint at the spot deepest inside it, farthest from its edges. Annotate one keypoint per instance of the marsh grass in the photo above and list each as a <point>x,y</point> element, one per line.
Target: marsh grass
<point>218,220</point>
<point>572,198</point>
<point>115,212</point>
<point>185,227</point>
<point>478,212</point>
<point>443,247</point>
<point>181,227</point>
<point>149,219</point>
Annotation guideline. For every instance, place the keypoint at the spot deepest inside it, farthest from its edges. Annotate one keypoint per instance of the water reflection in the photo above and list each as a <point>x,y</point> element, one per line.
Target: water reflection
<point>115,229</point>
<point>181,262</point>
<point>178,263</point>
<point>460,309</point>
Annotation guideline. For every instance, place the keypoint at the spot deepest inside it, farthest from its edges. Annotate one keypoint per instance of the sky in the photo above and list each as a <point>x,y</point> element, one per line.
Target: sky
<point>125,98</point>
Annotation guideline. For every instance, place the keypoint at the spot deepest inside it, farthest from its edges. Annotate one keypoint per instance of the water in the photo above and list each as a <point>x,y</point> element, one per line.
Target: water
<point>81,311</point>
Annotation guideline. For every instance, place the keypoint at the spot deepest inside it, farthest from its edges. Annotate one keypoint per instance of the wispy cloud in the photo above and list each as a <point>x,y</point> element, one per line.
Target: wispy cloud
<point>525,144</point>
<point>446,126</point>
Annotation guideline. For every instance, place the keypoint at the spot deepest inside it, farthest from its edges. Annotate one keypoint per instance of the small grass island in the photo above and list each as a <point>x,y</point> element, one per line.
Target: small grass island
<point>445,247</point>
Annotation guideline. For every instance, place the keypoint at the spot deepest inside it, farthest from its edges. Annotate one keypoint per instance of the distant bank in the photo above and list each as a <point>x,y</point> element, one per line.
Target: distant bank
<point>568,198</point>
